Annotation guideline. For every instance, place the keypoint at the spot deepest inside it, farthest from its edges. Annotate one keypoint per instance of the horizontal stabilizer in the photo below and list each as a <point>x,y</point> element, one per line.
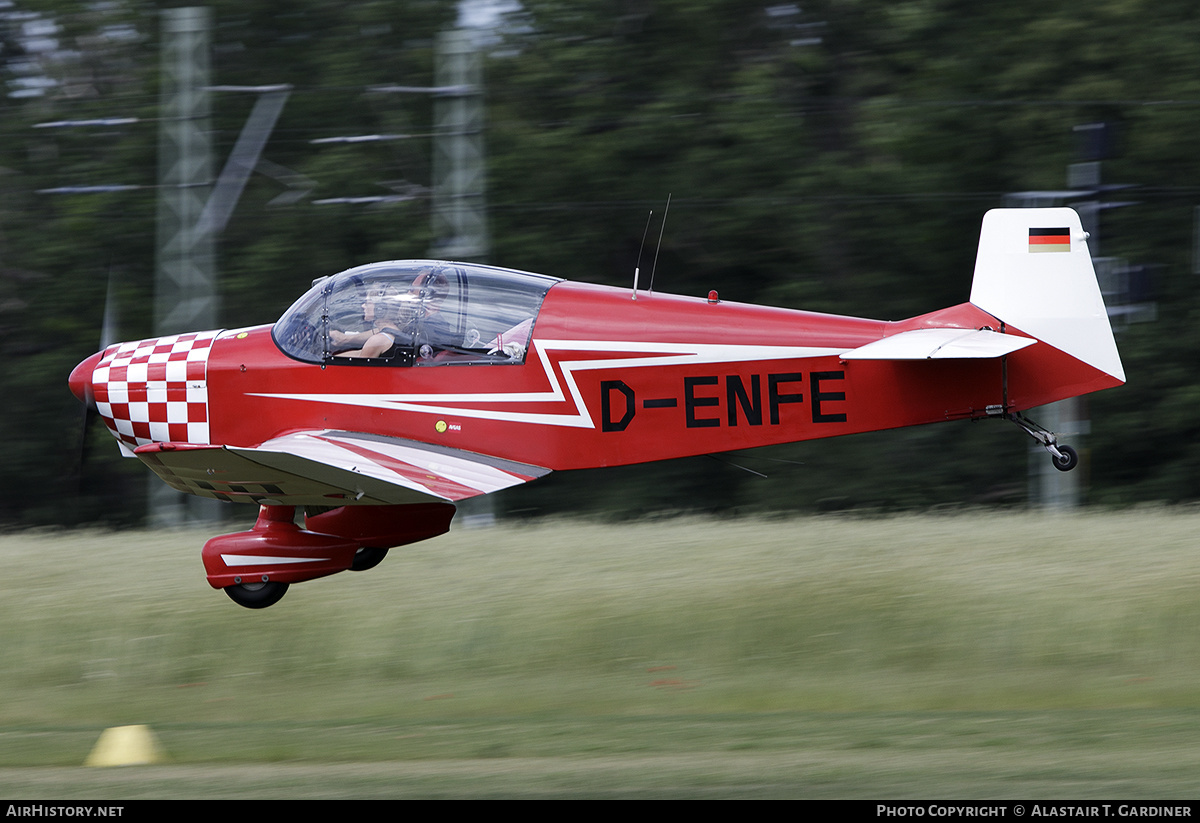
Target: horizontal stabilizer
<point>940,344</point>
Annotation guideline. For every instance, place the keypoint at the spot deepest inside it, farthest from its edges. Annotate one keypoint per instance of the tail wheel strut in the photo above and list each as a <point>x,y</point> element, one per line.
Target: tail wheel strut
<point>1063,456</point>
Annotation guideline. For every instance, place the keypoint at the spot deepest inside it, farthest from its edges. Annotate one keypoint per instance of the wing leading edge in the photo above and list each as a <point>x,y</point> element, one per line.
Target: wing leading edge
<point>332,468</point>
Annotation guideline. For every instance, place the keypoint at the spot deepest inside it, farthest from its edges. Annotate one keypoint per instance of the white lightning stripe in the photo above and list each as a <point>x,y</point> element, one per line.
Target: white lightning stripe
<point>650,354</point>
<point>459,470</point>
<point>329,449</point>
<point>232,560</point>
<point>332,454</point>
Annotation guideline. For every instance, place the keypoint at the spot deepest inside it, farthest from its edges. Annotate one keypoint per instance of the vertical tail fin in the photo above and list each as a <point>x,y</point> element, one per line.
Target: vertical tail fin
<point>1034,272</point>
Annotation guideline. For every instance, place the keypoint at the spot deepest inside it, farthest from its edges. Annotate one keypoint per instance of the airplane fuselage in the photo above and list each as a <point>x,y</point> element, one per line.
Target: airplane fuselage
<point>607,381</point>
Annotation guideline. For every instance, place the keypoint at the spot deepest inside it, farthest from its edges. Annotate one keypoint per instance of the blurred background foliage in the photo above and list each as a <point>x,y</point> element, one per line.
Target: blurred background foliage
<point>836,156</point>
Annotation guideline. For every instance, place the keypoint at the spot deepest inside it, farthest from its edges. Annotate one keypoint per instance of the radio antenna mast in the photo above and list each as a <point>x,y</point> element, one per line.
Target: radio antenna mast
<point>637,267</point>
<point>661,229</point>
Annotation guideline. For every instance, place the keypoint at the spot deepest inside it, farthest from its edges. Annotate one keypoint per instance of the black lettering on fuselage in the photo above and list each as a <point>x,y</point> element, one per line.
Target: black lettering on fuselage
<point>606,422</point>
<point>819,397</point>
<point>736,397</point>
<point>742,396</point>
<point>775,399</point>
<point>691,402</point>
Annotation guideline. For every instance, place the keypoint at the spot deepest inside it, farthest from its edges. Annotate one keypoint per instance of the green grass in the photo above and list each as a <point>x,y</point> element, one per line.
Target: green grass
<point>970,654</point>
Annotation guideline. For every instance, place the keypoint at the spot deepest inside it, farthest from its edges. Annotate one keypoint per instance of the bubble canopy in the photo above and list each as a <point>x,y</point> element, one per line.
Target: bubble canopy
<point>414,313</point>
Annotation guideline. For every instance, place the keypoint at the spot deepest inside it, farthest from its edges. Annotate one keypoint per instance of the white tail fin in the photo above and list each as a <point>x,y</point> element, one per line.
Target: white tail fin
<point>1034,272</point>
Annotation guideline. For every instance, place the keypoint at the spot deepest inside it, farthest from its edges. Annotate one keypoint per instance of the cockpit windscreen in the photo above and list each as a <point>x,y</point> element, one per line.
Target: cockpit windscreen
<point>415,313</point>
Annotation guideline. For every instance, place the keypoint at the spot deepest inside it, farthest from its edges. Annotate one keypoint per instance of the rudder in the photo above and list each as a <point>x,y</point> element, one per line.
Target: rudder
<point>1034,272</point>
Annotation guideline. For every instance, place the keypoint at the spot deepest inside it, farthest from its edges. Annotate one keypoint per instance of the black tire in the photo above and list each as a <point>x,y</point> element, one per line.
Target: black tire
<point>367,557</point>
<point>1068,461</point>
<point>256,595</point>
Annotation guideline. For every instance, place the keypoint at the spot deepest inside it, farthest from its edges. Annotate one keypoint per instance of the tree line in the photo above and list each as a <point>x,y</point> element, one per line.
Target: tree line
<point>832,156</point>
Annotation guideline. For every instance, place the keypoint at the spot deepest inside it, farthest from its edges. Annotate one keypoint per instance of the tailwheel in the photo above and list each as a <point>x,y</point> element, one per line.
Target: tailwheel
<point>1064,458</point>
<point>256,595</point>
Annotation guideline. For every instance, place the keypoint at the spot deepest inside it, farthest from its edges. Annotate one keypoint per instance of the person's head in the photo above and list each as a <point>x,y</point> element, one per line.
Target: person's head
<point>383,304</point>
<point>430,287</point>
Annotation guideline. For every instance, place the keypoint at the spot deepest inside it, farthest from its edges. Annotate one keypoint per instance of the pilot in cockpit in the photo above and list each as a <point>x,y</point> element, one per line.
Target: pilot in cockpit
<point>401,319</point>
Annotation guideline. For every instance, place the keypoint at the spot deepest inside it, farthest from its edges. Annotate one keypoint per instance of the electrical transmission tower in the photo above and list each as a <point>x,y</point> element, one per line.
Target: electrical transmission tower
<point>193,208</point>
<point>459,216</point>
<point>185,295</point>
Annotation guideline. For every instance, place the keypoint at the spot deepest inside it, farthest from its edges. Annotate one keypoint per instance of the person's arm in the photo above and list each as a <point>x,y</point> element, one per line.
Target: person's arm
<point>376,345</point>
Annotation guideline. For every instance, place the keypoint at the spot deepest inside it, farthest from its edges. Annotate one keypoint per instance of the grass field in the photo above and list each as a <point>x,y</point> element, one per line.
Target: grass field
<point>969,655</point>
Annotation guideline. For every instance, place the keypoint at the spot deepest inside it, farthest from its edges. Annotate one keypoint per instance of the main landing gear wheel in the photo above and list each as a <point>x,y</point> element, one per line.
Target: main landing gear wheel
<point>256,595</point>
<point>1069,459</point>
<point>367,557</point>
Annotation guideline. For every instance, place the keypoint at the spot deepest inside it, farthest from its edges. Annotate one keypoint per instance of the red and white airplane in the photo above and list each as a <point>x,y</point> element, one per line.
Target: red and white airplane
<point>391,391</point>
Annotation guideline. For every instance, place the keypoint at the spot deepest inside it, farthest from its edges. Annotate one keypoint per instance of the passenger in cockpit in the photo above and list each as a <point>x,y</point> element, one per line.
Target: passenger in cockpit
<point>433,330</point>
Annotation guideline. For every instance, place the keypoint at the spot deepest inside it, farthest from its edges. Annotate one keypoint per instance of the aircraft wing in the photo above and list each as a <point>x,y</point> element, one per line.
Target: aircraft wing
<point>940,344</point>
<point>333,468</point>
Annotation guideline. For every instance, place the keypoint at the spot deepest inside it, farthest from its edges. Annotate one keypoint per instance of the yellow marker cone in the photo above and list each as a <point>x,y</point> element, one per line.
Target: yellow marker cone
<point>125,746</point>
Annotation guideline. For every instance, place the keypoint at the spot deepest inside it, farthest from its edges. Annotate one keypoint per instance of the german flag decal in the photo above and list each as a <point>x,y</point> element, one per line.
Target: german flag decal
<point>1049,240</point>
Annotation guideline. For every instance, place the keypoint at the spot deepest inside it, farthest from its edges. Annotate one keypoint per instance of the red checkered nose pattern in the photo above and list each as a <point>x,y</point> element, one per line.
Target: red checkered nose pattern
<point>155,391</point>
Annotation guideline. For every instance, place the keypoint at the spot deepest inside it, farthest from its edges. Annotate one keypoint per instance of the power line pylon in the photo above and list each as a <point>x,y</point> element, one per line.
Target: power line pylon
<point>185,297</point>
<point>459,217</point>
